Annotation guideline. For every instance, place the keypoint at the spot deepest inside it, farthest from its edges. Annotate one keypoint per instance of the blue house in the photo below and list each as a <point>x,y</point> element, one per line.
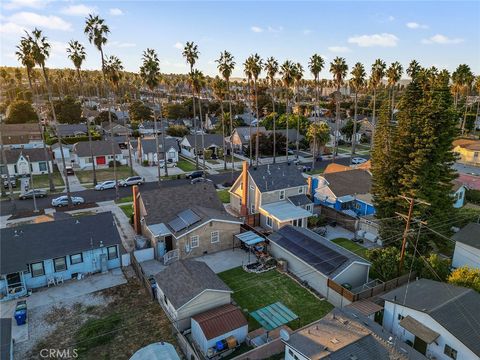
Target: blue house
<point>346,191</point>
<point>35,254</point>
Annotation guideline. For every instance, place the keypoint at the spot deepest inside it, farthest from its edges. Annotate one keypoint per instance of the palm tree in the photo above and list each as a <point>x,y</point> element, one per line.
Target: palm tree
<point>316,64</point>
<point>287,70</point>
<point>338,68</point>
<point>271,68</point>
<point>357,83</point>
<point>376,76</point>
<point>247,69</point>
<point>413,69</point>
<point>318,134</point>
<point>463,79</point>
<point>76,53</point>
<point>219,87</point>
<point>190,53</point>
<point>113,72</point>
<point>394,74</point>
<point>25,56</point>
<point>40,48</point>
<point>297,74</point>
<point>225,66</point>
<point>477,88</point>
<point>198,83</point>
<point>150,74</point>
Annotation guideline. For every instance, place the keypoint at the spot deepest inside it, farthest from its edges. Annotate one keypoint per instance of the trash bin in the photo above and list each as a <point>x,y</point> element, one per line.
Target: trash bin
<point>21,316</point>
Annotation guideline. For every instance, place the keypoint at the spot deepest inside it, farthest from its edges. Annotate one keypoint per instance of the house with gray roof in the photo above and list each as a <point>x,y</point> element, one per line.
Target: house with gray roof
<point>316,260</point>
<point>71,130</point>
<point>33,255</point>
<point>241,136</point>
<point>188,287</point>
<point>102,154</point>
<point>184,220</point>
<point>439,320</point>
<point>278,193</point>
<point>467,246</point>
<point>26,161</point>
<point>212,142</point>
<point>146,150</point>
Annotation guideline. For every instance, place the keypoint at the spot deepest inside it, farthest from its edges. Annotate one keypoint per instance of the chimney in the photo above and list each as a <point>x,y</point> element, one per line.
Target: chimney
<point>244,209</point>
<point>136,210</point>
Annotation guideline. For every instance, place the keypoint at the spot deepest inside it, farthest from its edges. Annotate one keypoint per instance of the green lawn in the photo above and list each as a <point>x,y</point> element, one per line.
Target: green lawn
<point>186,165</point>
<point>350,245</point>
<point>86,176</point>
<point>127,209</point>
<point>224,196</point>
<point>315,171</point>
<point>41,181</point>
<point>253,291</point>
<point>125,199</point>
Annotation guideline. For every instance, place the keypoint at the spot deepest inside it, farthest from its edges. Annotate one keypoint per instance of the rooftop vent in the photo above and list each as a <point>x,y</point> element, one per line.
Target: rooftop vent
<point>334,341</point>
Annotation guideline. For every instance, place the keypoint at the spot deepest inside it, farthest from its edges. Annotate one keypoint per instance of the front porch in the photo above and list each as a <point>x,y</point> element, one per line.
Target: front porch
<point>13,286</point>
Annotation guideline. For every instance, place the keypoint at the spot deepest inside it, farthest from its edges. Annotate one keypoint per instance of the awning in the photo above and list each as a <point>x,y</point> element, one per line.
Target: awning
<point>159,229</point>
<point>346,198</point>
<point>284,211</point>
<point>418,329</point>
<point>273,316</point>
<point>249,238</point>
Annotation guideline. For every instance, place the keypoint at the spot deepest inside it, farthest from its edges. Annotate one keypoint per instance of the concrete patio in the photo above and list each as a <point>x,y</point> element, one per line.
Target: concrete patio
<point>226,260</point>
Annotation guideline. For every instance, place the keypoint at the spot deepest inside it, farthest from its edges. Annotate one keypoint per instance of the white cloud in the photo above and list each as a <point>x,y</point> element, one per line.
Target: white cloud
<point>178,45</point>
<point>30,19</point>
<point>442,39</point>
<point>12,28</point>
<point>58,47</point>
<point>80,10</point>
<point>339,49</point>
<point>115,12</point>
<point>256,29</point>
<point>414,25</point>
<point>391,18</point>
<point>17,4</point>
<point>383,40</point>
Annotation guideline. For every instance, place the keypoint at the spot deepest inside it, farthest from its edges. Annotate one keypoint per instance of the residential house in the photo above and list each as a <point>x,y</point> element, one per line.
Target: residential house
<point>26,136</point>
<point>102,154</point>
<point>218,324</point>
<point>71,130</point>
<point>6,340</point>
<point>347,191</point>
<point>146,150</point>
<point>292,134</point>
<point>213,142</point>
<point>316,260</point>
<point>439,320</point>
<point>187,288</point>
<point>276,192</point>
<point>27,161</point>
<point>33,255</point>
<point>241,135</point>
<point>184,220</point>
<point>468,151</point>
<point>148,128</point>
<point>118,129</point>
<point>458,194</point>
<point>210,122</point>
<point>467,246</point>
<point>344,334</point>
<point>57,154</point>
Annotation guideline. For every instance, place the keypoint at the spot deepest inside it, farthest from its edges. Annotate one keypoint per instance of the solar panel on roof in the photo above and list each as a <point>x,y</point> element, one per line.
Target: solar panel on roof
<point>189,217</point>
<point>177,224</point>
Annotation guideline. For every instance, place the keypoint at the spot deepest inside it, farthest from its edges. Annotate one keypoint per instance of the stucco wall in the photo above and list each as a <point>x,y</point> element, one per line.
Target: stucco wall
<point>274,196</point>
<point>466,255</point>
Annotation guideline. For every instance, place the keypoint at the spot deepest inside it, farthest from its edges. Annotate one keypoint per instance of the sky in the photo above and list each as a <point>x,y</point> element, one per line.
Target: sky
<point>435,33</point>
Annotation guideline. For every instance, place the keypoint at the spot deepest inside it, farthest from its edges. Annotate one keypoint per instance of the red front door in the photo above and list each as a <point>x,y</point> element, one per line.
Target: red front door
<point>101,160</point>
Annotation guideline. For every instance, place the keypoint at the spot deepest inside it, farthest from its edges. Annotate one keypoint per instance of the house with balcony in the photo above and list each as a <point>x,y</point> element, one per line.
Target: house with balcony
<point>278,193</point>
<point>102,154</point>
<point>37,255</point>
<point>26,161</point>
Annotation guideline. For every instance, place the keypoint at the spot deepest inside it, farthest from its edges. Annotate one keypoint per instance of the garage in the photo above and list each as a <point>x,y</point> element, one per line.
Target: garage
<point>101,160</point>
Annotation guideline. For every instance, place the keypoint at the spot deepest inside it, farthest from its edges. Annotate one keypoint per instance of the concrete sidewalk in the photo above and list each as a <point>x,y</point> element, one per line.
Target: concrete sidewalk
<point>123,223</point>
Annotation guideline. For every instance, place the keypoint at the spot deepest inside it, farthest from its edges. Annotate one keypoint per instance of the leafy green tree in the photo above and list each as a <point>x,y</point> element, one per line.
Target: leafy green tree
<point>358,83</point>
<point>385,263</point>
<point>177,130</point>
<point>138,111</point>
<point>266,143</point>
<point>347,129</point>
<point>281,122</point>
<point>466,276</point>
<point>338,69</point>
<point>318,134</point>
<point>437,269</point>
<point>103,117</point>
<point>20,112</point>
<point>176,111</point>
<point>68,110</point>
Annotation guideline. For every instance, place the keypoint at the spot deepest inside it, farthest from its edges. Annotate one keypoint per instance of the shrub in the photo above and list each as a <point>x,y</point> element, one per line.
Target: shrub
<point>110,163</point>
<point>145,162</point>
<point>473,196</point>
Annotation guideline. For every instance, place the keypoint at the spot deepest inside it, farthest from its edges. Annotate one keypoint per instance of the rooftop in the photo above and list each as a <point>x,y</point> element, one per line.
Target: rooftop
<point>349,182</point>
<point>285,211</point>
<point>220,320</point>
<point>100,147</point>
<point>276,177</point>
<point>35,154</point>
<point>469,235</point>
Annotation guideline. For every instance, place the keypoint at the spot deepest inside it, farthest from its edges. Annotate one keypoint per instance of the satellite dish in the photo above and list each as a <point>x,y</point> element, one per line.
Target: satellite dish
<point>284,335</point>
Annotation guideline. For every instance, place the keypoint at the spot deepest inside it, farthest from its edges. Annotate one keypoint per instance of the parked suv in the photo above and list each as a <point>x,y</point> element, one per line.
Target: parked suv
<point>29,194</point>
<point>195,174</point>
<point>132,180</point>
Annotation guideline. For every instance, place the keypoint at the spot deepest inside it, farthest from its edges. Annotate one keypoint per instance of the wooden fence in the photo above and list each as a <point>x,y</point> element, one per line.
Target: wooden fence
<point>344,220</point>
<point>140,274</point>
<point>252,220</point>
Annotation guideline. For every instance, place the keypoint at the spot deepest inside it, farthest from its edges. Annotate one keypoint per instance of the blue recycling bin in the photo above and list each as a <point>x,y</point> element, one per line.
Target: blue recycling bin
<point>21,316</point>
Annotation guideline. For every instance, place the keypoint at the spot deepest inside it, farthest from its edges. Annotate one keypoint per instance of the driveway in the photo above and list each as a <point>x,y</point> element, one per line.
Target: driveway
<point>150,173</point>
<point>72,180</point>
<point>226,260</point>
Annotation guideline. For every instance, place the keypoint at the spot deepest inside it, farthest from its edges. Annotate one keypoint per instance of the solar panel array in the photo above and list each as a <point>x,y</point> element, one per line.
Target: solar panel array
<point>318,255</point>
<point>183,220</point>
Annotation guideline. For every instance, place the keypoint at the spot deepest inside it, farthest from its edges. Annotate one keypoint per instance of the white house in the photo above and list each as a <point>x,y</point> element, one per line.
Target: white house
<point>102,154</point>
<point>218,324</point>
<point>146,150</point>
<point>26,161</point>
<point>467,247</point>
<point>57,154</point>
<point>439,320</point>
<point>212,142</point>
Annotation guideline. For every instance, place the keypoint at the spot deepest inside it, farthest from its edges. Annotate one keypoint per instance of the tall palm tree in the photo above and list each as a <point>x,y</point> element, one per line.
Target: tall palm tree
<point>190,53</point>
<point>76,53</point>
<point>219,87</point>
<point>463,79</point>
<point>287,70</point>
<point>113,71</point>
<point>394,74</point>
<point>25,56</point>
<point>225,66</point>
<point>198,83</point>
<point>247,70</point>
<point>271,68</point>
<point>40,48</point>
<point>150,74</point>
<point>357,83</point>
<point>316,64</point>
<point>338,68</point>
<point>298,74</point>
<point>376,77</point>
<point>413,69</point>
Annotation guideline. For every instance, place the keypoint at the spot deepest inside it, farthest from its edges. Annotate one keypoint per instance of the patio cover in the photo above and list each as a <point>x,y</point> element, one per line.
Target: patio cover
<point>418,329</point>
<point>285,211</point>
<point>273,316</point>
<point>249,238</point>
<point>346,198</point>
<point>159,229</point>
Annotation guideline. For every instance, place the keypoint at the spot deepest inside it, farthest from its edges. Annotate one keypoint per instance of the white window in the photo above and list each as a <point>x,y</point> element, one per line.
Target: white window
<point>112,252</point>
<point>269,222</point>
<point>308,207</point>
<point>60,264</point>
<point>450,352</point>
<point>194,241</point>
<point>300,190</point>
<point>215,236</point>
<point>37,269</point>
<point>252,208</point>
<point>76,258</point>
<point>282,195</point>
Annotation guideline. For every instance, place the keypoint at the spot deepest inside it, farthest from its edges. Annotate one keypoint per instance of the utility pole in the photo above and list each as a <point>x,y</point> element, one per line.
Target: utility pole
<point>408,220</point>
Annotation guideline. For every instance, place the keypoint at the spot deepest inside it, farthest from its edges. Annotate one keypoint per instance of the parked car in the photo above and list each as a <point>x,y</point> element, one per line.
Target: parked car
<point>69,170</point>
<point>63,201</point>
<point>358,160</point>
<point>12,180</point>
<point>195,174</point>
<point>200,180</point>
<point>132,180</point>
<point>170,163</point>
<point>109,184</point>
<point>29,194</point>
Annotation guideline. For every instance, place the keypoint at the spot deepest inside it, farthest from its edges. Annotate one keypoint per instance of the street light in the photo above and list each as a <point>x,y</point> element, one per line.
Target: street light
<point>33,186</point>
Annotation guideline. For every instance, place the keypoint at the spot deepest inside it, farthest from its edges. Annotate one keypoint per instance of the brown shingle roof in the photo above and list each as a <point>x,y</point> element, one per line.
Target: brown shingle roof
<point>350,182</point>
<point>220,320</point>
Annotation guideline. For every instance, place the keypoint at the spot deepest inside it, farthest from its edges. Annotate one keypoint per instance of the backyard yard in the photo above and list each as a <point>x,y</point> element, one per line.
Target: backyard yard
<point>253,291</point>
<point>350,245</point>
<point>86,176</point>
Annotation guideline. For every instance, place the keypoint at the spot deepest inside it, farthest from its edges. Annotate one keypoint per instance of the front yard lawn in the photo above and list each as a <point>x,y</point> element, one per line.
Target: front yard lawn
<point>186,165</point>
<point>41,181</point>
<point>350,245</point>
<point>253,291</point>
<point>224,196</point>
<point>86,176</point>
<point>127,209</point>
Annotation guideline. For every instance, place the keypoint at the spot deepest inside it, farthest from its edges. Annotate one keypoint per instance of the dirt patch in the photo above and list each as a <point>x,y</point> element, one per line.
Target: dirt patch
<point>26,214</point>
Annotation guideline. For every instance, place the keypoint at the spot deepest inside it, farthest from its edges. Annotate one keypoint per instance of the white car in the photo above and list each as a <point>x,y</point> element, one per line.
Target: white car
<point>358,160</point>
<point>63,201</point>
<point>132,180</point>
<point>109,184</point>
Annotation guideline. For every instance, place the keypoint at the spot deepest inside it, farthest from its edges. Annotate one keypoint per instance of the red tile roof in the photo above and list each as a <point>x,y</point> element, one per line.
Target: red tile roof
<point>220,320</point>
